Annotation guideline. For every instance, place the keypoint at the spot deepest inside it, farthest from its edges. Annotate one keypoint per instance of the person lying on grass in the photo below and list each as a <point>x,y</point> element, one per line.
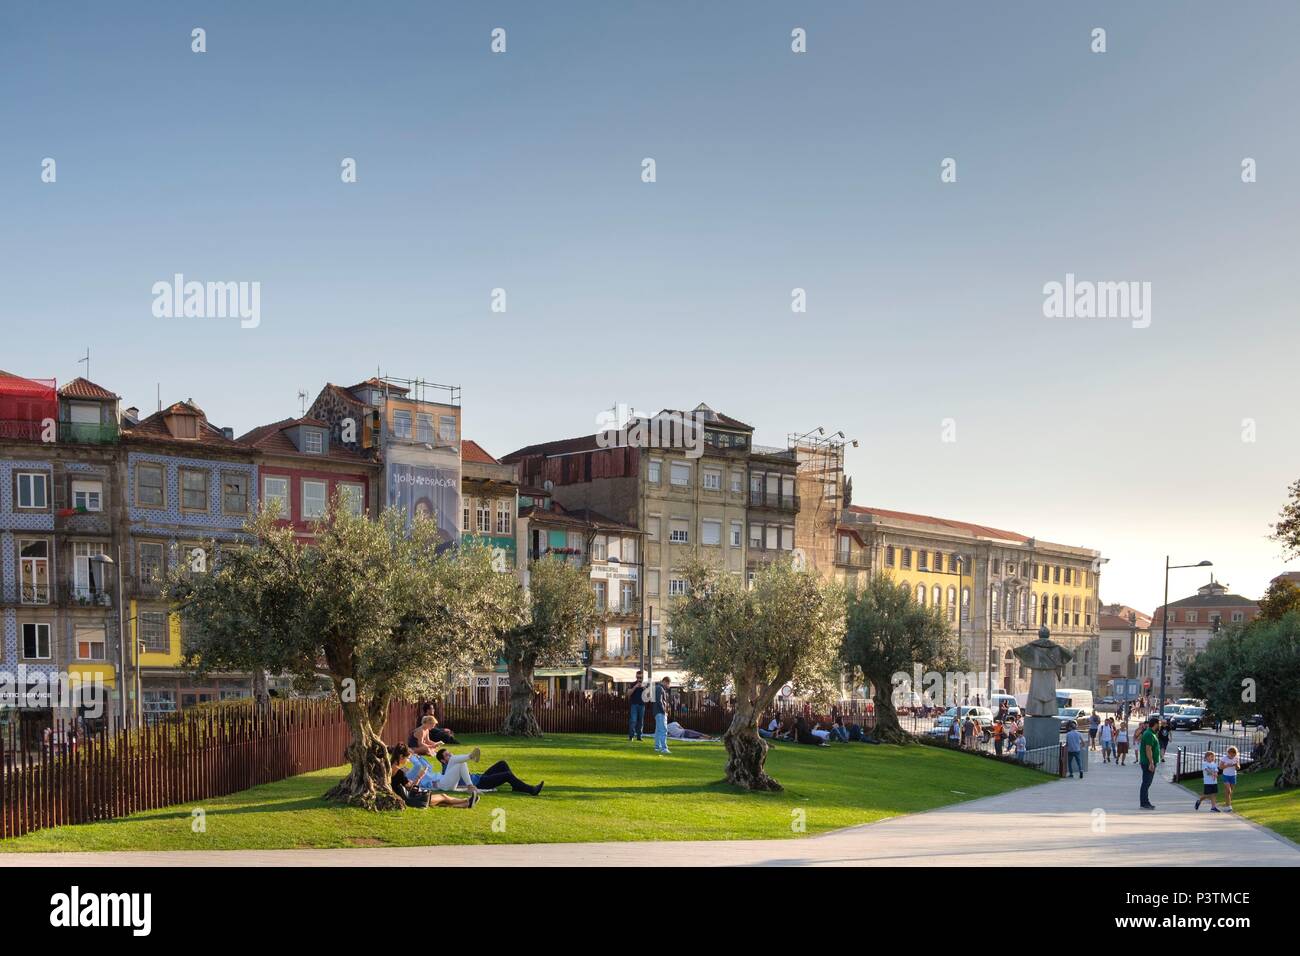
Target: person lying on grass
<point>405,765</point>
<point>455,773</point>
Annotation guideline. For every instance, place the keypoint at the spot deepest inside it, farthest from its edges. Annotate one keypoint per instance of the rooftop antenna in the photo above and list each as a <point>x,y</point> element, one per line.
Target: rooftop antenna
<point>158,386</point>
<point>302,401</point>
<point>87,361</point>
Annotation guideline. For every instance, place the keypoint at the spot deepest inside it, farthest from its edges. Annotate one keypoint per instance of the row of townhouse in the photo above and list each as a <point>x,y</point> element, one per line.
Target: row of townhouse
<point>109,491</point>
<point>98,503</point>
<point>739,505</point>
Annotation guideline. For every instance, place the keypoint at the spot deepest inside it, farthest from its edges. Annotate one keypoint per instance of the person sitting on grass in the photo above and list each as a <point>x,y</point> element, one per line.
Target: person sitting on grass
<point>426,737</point>
<point>405,765</point>
<point>455,773</point>
<point>805,733</point>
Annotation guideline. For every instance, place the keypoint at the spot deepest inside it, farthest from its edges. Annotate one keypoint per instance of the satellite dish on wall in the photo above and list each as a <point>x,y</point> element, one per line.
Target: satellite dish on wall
<point>547,485</point>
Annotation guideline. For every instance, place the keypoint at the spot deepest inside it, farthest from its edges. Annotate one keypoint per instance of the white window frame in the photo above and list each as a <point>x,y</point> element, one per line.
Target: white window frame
<point>92,490</point>
<point>308,514</point>
<point>313,441</point>
<point>102,641</point>
<point>22,641</point>
<point>286,509</point>
<point>356,496</point>
<point>32,485</point>
<point>654,471</point>
<point>714,525</point>
<point>35,562</point>
<point>737,534</point>
<point>682,468</point>
<point>712,479</point>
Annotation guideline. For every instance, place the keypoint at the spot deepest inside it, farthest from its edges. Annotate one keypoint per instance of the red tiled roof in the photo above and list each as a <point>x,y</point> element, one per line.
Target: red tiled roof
<point>562,446</point>
<point>154,429</point>
<point>1116,622</point>
<point>966,526</point>
<point>272,440</point>
<point>581,517</point>
<point>473,451</point>
<point>83,388</point>
<point>380,384</point>
<point>1292,576</point>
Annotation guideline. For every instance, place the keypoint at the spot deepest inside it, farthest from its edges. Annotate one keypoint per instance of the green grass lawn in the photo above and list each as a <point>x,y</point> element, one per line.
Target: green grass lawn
<point>598,788</point>
<point>1255,799</point>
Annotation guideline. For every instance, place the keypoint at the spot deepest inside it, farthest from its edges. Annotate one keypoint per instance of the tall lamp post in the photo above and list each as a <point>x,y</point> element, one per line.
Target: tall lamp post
<point>1164,629</point>
<point>105,562</point>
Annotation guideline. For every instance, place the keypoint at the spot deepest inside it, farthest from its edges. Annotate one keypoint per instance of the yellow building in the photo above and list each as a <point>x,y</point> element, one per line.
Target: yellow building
<point>1005,584</point>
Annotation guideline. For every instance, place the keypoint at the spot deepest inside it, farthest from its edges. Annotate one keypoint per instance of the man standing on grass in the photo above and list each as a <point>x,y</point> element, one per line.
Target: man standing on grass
<point>636,708</point>
<point>1148,760</point>
<point>661,716</point>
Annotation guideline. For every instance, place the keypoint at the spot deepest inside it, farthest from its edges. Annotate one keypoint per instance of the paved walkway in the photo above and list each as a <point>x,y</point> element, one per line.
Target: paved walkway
<point>1067,822</point>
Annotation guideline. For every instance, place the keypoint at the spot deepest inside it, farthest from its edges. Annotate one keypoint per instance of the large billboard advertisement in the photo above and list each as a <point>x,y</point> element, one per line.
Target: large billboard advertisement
<point>431,489</point>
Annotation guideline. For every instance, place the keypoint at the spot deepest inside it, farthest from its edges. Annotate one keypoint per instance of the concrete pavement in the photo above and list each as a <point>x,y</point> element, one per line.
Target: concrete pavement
<point>1071,822</point>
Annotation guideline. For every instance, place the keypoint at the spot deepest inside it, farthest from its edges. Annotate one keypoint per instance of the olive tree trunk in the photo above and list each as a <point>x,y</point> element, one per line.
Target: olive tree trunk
<point>887,728</point>
<point>521,721</point>
<point>367,783</point>
<point>746,750</point>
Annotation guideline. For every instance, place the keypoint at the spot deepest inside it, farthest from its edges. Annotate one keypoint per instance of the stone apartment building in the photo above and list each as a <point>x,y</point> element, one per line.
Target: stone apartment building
<point>1124,651</point>
<point>59,490</point>
<point>713,496</point>
<point>1193,621</point>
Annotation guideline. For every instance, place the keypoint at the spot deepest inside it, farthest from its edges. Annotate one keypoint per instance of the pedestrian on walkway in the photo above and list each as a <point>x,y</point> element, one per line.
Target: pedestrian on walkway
<point>1148,760</point>
<point>1107,739</point>
<point>1209,781</point>
<point>1094,724</point>
<point>1021,747</point>
<point>662,707</point>
<point>1228,768</point>
<point>1121,743</point>
<point>1074,749</point>
<point>636,708</point>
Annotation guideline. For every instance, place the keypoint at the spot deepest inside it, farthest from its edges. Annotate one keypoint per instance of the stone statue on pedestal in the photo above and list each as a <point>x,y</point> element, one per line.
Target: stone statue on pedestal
<point>1046,661</point>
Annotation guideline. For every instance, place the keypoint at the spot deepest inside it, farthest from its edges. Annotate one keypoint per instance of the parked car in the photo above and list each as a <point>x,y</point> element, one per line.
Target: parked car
<point>1110,701</point>
<point>1076,715</point>
<point>981,714</point>
<point>1191,718</point>
<point>1254,720</point>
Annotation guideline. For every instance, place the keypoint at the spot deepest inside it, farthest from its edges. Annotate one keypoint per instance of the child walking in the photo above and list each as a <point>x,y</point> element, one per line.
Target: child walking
<point>1228,768</point>
<point>1210,779</point>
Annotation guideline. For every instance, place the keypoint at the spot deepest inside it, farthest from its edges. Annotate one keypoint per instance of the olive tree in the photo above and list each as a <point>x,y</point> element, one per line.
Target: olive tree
<point>1256,669</point>
<point>887,633</point>
<point>784,629</point>
<point>369,604</point>
<point>559,613</point>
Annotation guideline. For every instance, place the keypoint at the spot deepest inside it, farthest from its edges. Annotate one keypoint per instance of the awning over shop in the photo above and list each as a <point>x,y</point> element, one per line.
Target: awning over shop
<point>559,672</point>
<point>626,675</point>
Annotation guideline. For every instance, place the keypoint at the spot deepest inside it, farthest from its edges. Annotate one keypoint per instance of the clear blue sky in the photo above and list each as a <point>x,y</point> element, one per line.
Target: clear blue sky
<point>775,170</point>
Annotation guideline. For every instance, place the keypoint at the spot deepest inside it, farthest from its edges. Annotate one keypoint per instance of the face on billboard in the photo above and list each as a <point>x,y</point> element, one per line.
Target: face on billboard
<point>430,492</point>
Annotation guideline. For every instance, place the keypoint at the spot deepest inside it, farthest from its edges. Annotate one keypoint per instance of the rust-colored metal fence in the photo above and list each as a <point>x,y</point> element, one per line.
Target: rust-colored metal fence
<point>68,777</point>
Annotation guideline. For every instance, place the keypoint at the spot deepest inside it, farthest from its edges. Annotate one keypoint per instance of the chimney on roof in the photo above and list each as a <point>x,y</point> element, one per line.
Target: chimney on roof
<point>229,433</point>
<point>132,415</point>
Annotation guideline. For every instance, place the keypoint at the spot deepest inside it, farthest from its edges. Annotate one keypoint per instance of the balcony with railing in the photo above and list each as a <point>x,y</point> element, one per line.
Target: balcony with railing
<point>91,597</point>
<point>84,433</point>
<point>33,593</point>
<point>773,501</point>
<point>852,559</point>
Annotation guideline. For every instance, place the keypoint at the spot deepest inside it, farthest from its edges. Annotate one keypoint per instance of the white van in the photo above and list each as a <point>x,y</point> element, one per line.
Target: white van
<point>1072,697</point>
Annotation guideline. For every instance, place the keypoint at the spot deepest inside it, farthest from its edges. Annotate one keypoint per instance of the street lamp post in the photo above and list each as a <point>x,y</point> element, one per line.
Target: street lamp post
<point>1164,630</point>
<point>104,561</point>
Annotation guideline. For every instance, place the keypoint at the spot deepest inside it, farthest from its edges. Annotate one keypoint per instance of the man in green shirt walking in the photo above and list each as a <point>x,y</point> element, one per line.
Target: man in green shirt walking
<point>1148,759</point>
